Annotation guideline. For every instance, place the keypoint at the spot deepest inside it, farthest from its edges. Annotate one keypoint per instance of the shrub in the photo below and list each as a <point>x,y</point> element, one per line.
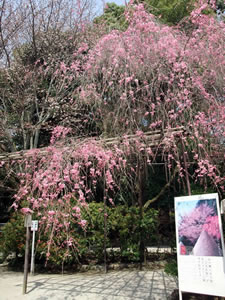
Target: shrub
<point>126,227</point>
<point>171,267</point>
<point>123,227</point>
<point>12,239</point>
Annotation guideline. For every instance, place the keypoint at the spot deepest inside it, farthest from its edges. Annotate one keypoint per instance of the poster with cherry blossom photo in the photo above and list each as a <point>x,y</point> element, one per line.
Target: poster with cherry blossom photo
<point>200,245</point>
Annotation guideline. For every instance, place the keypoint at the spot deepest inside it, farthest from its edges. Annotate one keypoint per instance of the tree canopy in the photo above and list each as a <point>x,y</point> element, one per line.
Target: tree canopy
<point>113,17</point>
<point>170,12</point>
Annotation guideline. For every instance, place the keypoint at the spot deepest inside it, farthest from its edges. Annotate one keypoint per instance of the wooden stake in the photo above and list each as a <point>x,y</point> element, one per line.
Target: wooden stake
<point>141,179</point>
<point>26,261</point>
<point>105,235</point>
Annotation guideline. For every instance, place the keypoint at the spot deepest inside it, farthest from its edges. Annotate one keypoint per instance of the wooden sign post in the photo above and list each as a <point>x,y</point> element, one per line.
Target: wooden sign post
<point>27,224</point>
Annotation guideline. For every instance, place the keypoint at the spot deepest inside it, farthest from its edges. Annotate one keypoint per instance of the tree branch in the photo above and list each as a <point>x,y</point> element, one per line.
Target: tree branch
<point>162,190</point>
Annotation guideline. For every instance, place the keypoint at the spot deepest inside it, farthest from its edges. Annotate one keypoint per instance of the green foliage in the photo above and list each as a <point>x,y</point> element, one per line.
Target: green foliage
<point>126,226</point>
<point>113,17</point>
<point>171,267</point>
<point>12,238</point>
<point>169,11</point>
<point>196,189</point>
<point>220,4</point>
<point>123,230</point>
<point>92,241</point>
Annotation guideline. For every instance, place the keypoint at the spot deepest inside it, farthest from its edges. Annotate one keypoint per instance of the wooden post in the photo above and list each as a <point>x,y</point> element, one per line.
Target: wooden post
<point>26,261</point>
<point>141,179</point>
<point>105,235</point>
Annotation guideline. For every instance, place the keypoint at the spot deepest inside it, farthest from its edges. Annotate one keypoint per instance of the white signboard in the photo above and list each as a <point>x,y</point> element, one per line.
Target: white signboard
<point>27,221</point>
<point>200,245</point>
<point>34,226</point>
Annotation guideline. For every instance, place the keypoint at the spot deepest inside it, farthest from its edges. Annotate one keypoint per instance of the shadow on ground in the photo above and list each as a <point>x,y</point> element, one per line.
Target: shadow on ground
<point>142,285</point>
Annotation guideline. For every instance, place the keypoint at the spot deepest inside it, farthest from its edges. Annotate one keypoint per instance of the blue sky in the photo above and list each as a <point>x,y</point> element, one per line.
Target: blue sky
<point>119,2</point>
<point>99,4</point>
<point>185,207</point>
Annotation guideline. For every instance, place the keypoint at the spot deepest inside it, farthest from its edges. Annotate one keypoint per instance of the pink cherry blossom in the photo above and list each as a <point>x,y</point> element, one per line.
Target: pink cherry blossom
<point>26,210</point>
<point>51,212</point>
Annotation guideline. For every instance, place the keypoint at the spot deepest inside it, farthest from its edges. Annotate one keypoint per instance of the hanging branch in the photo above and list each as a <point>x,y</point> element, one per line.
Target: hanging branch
<point>186,169</point>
